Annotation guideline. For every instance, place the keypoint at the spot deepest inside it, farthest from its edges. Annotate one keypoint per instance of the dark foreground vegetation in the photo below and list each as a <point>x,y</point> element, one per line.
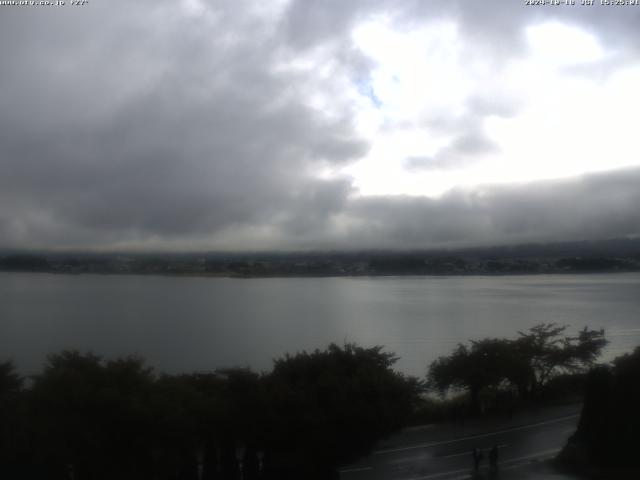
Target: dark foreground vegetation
<point>606,442</point>
<point>84,417</point>
<point>497,373</point>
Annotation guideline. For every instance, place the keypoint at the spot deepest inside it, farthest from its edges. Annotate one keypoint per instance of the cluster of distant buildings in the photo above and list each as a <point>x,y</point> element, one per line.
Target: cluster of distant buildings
<point>491,262</point>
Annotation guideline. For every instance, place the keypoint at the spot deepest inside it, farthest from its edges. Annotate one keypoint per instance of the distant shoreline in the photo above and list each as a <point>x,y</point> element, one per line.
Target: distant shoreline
<point>610,256</point>
<point>327,275</point>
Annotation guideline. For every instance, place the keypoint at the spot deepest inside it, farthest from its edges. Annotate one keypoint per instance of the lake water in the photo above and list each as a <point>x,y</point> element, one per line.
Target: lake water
<point>185,324</point>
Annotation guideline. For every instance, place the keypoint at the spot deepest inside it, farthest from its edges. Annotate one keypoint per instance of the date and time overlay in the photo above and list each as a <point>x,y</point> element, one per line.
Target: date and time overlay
<point>528,3</point>
<point>44,3</point>
<point>531,3</point>
<point>583,3</point>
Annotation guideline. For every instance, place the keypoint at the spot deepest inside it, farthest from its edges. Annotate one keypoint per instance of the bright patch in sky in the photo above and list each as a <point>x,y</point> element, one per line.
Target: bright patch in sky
<point>420,104</point>
<point>194,7</point>
<point>415,70</point>
<point>558,44</point>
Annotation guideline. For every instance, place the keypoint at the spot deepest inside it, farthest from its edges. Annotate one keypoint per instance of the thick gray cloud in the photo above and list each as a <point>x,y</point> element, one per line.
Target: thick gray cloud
<point>139,133</point>
<point>498,22</point>
<point>596,206</point>
<point>138,125</point>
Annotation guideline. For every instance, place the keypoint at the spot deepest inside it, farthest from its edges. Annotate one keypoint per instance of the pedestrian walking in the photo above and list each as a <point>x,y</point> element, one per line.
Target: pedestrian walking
<point>493,458</point>
<point>477,458</point>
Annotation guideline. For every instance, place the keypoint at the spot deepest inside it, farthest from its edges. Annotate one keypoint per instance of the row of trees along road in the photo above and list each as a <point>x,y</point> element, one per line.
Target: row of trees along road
<point>525,364</point>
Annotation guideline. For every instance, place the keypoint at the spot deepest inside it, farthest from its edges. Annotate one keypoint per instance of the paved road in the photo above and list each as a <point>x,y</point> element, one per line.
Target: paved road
<point>444,452</point>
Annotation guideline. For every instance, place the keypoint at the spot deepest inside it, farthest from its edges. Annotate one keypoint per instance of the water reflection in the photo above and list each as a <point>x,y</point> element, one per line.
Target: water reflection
<point>189,324</point>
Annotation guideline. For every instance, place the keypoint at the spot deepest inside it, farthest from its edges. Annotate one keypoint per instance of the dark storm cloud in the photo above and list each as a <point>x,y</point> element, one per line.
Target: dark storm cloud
<point>313,206</point>
<point>591,207</point>
<point>130,133</point>
<point>133,124</point>
<point>308,24</point>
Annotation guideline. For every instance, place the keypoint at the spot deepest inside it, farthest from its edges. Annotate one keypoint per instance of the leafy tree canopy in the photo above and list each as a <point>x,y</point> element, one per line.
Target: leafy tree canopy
<point>526,363</point>
<point>348,396</point>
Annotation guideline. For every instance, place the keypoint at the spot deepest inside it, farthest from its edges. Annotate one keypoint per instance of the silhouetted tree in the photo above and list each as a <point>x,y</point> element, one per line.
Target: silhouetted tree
<point>545,353</point>
<point>329,406</point>
<point>527,363</point>
<point>187,414</point>
<point>10,381</point>
<point>11,437</point>
<point>92,416</point>
<point>486,363</point>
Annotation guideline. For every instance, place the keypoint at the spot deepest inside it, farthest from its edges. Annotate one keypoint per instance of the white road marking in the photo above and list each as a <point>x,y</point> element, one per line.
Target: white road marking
<point>471,437</point>
<point>543,453</point>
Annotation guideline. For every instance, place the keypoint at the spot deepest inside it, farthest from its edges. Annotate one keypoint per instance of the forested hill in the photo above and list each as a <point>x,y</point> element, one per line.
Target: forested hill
<point>575,257</point>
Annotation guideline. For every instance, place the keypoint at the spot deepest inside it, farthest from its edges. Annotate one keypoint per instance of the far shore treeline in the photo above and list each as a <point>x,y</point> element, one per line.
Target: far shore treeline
<point>618,255</point>
<point>86,417</point>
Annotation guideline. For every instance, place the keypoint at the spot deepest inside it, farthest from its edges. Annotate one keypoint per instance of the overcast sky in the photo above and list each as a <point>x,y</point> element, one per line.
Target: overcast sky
<point>317,124</point>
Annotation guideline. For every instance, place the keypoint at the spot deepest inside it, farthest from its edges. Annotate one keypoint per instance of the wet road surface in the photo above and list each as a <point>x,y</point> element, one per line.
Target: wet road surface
<point>444,452</point>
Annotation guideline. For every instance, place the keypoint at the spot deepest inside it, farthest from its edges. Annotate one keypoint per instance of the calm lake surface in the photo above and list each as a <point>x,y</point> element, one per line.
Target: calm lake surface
<point>185,324</point>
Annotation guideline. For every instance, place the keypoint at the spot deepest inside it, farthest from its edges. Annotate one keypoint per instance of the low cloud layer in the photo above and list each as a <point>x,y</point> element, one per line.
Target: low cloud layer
<point>592,207</point>
<point>231,125</point>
